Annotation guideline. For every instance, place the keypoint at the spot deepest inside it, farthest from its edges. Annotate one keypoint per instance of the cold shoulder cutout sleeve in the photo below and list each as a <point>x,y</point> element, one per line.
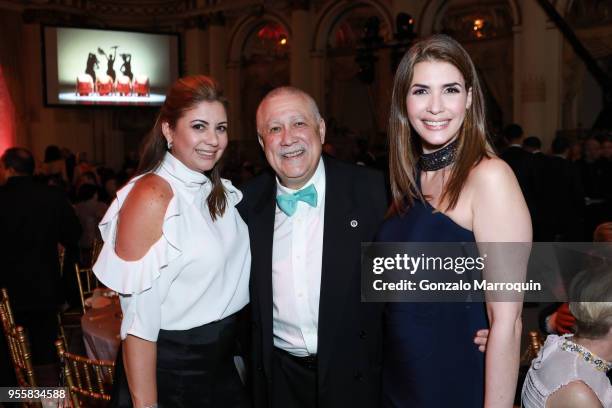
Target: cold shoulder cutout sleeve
<point>198,270</point>
<point>138,282</point>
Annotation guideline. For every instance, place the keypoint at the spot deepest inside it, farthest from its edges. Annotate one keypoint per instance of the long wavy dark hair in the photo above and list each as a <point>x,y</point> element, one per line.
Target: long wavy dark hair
<point>405,144</point>
<point>184,95</point>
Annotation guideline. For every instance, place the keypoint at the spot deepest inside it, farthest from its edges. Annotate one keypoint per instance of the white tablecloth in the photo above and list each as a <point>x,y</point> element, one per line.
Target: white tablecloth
<point>101,331</point>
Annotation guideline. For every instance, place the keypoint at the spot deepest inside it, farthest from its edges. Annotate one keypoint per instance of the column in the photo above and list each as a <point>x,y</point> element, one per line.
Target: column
<point>196,47</point>
<point>317,59</point>
<point>537,78</point>
<point>232,92</point>
<point>217,46</point>
<point>300,42</point>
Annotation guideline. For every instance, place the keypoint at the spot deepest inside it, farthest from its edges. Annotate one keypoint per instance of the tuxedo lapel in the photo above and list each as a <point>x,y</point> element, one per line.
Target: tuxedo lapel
<point>337,267</point>
<point>261,229</point>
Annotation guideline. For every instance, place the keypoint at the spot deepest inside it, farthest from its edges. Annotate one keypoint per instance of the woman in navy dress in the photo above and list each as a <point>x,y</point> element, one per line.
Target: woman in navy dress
<point>448,186</point>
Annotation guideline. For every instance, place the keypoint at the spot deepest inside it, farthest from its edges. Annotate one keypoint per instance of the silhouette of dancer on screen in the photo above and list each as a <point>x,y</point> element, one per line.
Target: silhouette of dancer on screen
<point>126,67</point>
<point>92,62</point>
<point>110,60</point>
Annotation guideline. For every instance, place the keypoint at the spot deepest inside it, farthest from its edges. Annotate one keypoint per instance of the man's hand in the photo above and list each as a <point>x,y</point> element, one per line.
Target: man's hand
<point>481,339</point>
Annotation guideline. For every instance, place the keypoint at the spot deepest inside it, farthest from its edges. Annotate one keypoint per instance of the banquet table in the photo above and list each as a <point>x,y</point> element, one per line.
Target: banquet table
<point>101,324</point>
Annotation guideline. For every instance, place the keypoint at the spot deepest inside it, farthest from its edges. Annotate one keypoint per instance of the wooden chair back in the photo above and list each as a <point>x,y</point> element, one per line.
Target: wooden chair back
<point>89,381</point>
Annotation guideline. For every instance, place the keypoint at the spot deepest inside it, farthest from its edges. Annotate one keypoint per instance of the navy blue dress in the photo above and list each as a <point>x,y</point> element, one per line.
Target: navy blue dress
<point>430,359</point>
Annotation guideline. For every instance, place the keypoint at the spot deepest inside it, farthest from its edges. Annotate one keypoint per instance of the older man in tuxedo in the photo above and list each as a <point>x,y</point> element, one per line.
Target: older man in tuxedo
<point>315,344</point>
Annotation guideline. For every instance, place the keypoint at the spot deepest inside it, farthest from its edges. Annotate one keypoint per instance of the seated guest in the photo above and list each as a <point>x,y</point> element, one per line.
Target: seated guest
<point>90,211</point>
<point>54,167</point>
<point>82,166</point>
<point>556,318</point>
<point>570,370</point>
<point>34,219</point>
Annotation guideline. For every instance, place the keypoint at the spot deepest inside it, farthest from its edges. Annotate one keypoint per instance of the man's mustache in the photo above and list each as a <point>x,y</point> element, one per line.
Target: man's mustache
<point>292,149</point>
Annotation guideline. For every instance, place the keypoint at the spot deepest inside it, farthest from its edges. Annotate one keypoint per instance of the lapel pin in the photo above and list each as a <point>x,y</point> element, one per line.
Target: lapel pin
<point>354,223</point>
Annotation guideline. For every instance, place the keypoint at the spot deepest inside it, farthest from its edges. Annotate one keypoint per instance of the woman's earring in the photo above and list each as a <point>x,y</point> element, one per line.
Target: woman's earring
<point>169,144</point>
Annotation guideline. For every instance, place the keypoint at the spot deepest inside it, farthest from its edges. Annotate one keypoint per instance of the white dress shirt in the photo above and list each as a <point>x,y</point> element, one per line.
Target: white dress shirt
<point>196,273</point>
<point>296,271</point>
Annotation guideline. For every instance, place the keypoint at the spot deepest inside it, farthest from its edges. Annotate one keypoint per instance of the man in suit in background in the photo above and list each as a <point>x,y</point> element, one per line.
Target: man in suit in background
<point>34,219</point>
<point>533,145</point>
<point>559,195</point>
<point>521,163</point>
<point>315,344</point>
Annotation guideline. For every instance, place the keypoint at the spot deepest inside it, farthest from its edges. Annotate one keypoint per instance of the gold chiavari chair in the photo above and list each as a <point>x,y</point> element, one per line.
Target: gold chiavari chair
<point>71,318</point>
<point>21,357</point>
<point>6,305</point>
<point>19,348</point>
<point>533,348</point>
<point>61,253</point>
<point>95,250</point>
<point>89,381</point>
<point>87,283</point>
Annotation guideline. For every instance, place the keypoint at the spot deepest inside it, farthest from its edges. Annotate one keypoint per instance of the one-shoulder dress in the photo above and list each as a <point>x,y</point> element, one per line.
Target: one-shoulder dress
<point>430,359</point>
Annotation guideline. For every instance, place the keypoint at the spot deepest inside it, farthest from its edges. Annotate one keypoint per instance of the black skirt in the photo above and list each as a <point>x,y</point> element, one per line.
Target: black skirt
<point>195,368</point>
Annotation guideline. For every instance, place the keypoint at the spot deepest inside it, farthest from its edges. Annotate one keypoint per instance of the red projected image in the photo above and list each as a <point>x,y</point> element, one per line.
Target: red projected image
<point>104,85</point>
<point>103,67</point>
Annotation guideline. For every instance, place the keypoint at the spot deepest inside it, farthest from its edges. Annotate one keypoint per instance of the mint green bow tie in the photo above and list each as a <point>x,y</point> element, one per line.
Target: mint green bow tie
<point>288,202</point>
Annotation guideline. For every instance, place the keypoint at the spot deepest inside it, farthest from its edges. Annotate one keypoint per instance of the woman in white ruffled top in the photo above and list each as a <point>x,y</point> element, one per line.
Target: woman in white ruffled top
<point>177,251</point>
<point>570,370</point>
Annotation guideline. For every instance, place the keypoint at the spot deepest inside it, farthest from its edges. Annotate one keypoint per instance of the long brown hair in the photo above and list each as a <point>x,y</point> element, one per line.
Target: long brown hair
<point>184,95</point>
<point>405,144</point>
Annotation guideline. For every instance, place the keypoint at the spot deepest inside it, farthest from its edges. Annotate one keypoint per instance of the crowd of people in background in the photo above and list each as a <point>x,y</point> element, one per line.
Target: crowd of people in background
<point>566,185</point>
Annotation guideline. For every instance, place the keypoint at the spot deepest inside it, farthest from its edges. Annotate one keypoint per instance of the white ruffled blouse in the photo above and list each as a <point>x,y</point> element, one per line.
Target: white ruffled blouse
<point>196,273</point>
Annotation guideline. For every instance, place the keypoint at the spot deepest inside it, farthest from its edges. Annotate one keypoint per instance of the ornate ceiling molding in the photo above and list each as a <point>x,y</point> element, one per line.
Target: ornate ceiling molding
<point>153,14</point>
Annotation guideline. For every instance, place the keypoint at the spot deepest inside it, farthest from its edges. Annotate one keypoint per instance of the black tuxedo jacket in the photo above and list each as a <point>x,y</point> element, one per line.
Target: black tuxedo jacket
<point>521,162</point>
<point>558,200</point>
<point>349,331</point>
<point>34,218</point>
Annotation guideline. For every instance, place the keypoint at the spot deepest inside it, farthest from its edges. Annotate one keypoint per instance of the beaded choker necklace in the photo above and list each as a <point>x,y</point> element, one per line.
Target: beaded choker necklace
<point>438,159</point>
<point>599,363</point>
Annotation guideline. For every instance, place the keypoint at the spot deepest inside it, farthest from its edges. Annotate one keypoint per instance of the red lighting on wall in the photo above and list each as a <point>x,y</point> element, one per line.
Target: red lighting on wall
<point>273,32</point>
<point>7,116</point>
